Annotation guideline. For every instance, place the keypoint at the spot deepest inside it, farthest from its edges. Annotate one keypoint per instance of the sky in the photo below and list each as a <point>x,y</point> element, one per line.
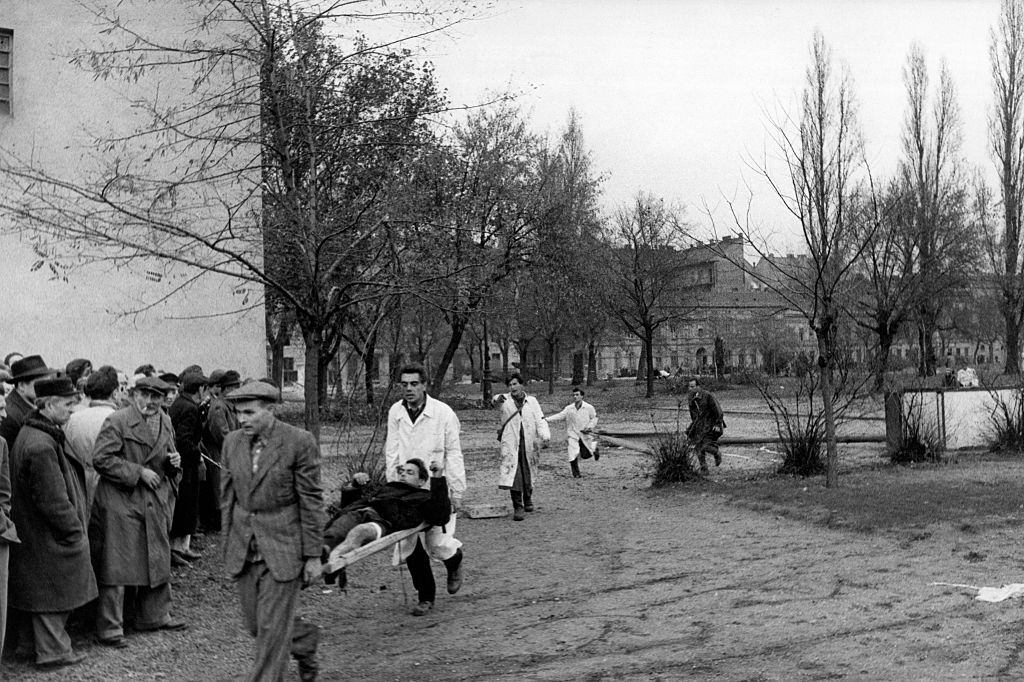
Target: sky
<point>674,96</point>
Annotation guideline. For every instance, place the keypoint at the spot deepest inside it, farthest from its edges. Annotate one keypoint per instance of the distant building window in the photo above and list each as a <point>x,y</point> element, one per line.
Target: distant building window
<point>6,45</point>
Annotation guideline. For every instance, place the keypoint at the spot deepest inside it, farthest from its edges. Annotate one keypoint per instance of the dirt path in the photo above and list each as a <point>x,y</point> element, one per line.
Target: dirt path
<point>610,580</point>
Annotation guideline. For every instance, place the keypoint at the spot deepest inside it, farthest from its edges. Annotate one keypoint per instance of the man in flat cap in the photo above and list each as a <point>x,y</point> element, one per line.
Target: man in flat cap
<point>220,421</point>
<point>131,515</point>
<point>21,403</point>
<point>188,434</point>
<point>273,521</point>
<point>51,574</point>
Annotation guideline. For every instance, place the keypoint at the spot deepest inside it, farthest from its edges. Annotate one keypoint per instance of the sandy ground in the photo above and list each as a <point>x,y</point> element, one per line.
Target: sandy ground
<point>611,580</point>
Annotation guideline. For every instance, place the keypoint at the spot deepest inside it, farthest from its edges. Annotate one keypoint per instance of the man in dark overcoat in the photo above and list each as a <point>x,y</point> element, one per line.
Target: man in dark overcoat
<point>8,534</point>
<point>273,521</point>
<point>131,514</point>
<point>220,421</point>
<point>188,434</point>
<point>51,574</point>
<point>21,402</point>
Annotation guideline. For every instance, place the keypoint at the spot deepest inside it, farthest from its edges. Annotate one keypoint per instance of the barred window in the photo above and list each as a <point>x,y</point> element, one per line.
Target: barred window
<point>6,45</point>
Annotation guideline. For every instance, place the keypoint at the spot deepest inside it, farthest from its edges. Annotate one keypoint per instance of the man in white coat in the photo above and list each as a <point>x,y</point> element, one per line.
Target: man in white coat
<point>421,427</point>
<point>580,421</point>
<point>522,430</point>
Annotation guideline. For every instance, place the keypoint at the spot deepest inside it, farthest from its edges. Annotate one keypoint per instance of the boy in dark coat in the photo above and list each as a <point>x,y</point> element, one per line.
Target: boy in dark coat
<point>51,574</point>
<point>397,505</point>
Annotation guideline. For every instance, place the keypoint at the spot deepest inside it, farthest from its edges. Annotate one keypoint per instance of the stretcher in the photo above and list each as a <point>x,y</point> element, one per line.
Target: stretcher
<point>337,561</point>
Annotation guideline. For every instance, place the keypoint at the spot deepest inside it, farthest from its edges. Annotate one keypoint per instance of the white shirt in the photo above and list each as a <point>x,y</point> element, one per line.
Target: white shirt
<point>433,438</point>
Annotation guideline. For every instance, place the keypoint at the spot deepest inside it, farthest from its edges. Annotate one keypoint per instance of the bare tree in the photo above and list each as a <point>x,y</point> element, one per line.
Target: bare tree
<point>938,235</point>
<point>645,271</point>
<point>823,151</point>
<point>1006,135</point>
<point>275,167</point>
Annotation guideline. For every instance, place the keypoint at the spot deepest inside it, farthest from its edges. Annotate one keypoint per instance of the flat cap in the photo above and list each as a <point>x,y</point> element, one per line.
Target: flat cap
<point>152,384</point>
<point>254,390</point>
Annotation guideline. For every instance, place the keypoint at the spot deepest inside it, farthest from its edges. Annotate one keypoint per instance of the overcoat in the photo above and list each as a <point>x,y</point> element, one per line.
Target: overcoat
<point>50,569</point>
<point>130,525</point>
<point>280,505</point>
<point>535,429</point>
<point>188,433</point>
<point>18,410</point>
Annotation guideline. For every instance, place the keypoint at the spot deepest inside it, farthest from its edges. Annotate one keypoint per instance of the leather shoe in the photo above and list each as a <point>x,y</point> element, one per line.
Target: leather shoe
<point>519,515</point>
<point>188,554</point>
<point>455,579</point>
<point>113,642</point>
<point>528,507</point>
<point>179,560</point>
<point>423,608</point>
<point>71,659</point>
<point>172,624</point>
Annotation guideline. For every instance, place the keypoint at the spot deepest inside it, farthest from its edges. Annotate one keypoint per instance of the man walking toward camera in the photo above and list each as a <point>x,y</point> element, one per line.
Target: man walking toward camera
<point>522,431</point>
<point>422,427</point>
<point>706,424</point>
<point>273,520</point>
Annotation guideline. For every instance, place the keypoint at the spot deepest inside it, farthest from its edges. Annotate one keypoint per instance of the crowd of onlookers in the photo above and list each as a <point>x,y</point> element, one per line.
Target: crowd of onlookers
<point>105,477</point>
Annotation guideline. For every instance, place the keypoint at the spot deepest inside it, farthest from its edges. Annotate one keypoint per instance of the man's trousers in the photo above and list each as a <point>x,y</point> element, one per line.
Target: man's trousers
<point>268,612</point>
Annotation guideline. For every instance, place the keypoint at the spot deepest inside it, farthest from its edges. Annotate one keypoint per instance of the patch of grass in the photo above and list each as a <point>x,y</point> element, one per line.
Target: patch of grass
<point>977,491</point>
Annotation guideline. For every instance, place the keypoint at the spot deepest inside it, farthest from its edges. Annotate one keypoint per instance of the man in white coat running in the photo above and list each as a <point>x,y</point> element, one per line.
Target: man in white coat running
<point>522,430</point>
<point>424,428</point>
<point>580,421</point>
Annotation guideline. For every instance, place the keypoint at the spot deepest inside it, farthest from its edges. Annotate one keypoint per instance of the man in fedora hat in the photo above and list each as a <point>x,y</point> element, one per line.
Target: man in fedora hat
<point>219,422</point>
<point>20,404</point>
<point>131,515</point>
<point>273,521</point>
<point>51,574</point>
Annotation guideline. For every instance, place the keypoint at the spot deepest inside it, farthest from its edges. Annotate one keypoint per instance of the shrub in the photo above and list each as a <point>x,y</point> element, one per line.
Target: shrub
<point>1008,422</point>
<point>918,442</point>
<point>674,461</point>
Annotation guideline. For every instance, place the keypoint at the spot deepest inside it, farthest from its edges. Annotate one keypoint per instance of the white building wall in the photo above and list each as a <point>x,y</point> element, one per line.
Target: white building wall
<point>109,315</point>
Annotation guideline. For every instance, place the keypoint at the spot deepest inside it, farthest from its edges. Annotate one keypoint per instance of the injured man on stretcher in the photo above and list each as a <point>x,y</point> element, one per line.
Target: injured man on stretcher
<point>363,517</point>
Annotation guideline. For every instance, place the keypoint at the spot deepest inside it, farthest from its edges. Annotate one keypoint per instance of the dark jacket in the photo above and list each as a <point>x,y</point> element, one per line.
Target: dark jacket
<point>188,429</point>
<point>280,506</point>
<point>50,569</point>
<point>18,410</point>
<point>706,417</point>
<point>399,504</point>
<point>8,532</point>
<point>130,524</point>
<point>220,421</point>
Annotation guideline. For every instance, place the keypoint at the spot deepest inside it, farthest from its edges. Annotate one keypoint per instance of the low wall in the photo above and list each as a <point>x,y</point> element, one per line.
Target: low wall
<point>961,417</point>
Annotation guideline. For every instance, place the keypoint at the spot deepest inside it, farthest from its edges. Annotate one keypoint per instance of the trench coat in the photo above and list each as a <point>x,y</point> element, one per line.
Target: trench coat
<point>130,525</point>
<point>50,570</point>
<point>281,505</point>
<point>535,430</point>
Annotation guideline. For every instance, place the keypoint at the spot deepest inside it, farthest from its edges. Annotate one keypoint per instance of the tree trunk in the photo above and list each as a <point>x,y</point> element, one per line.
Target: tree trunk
<point>649,364</point>
<point>454,341</point>
<point>485,378</point>
<point>881,363</point>
<point>591,362</point>
<point>826,354</point>
<point>552,345</point>
<point>313,340</point>
<point>322,375</point>
<point>1012,366</point>
<point>369,362</point>
<point>579,359</point>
